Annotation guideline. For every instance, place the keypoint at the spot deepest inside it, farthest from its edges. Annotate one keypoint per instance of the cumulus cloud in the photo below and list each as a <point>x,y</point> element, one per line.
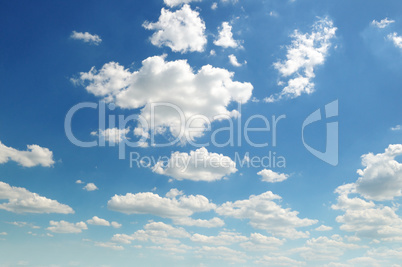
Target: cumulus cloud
<point>396,39</point>
<point>34,156</point>
<point>86,37</point>
<point>199,165</point>
<point>182,30</point>
<point>21,200</point>
<point>116,224</point>
<point>225,38</point>
<point>63,227</point>
<point>178,209</point>
<point>173,3</point>
<point>98,221</point>
<point>264,213</point>
<point>234,62</point>
<point>383,23</point>
<point>326,249</point>
<point>110,245</point>
<point>365,218</point>
<point>222,253</point>
<point>90,187</point>
<point>199,97</point>
<point>278,261</point>
<point>306,52</point>
<point>259,242</point>
<point>382,177</point>
<point>113,135</point>
<point>272,177</point>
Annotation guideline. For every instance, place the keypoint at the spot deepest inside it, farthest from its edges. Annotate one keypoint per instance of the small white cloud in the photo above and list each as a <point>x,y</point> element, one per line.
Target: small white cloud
<point>116,224</point>
<point>21,200</point>
<point>63,227</point>
<point>396,39</point>
<point>233,61</point>
<point>323,228</point>
<point>183,30</point>
<point>199,165</point>
<point>86,37</point>
<point>98,221</point>
<point>90,187</point>
<point>110,245</point>
<point>34,156</point>
<point>214,6</point>
<point>383,23</point>
<point>3,233</point>
<point>272,177</point>
<point>212,53</point>
<point>396,128</point>
<point>225,38</point>
<point>79,182</point>
<point>306,52</point>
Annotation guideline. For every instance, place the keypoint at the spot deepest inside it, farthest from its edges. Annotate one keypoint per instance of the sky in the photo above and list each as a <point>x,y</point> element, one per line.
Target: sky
<point>201,133</point>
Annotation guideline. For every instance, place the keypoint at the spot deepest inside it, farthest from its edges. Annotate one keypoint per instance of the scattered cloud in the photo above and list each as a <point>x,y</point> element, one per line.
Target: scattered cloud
<point>90,187</point>
<point>183,30</point>
<point>383,23</point>
<point>272,177</point>
<point>199,165</point>
<point>34,156</point>
<point>21,200</point>
<point>63,227</point>
<point>214,6</point>
<point>79,182</point>
<point>278,261</point>
<point>207,93</point>
<point>396,128</point>
<point>225,38</point>
<point>221,253</point>
<point>222,239</point>
<point>110,245</point>
<point>264,213</point>
<point>306,52</point>
<point>116,225</point>
<point>86,37</point>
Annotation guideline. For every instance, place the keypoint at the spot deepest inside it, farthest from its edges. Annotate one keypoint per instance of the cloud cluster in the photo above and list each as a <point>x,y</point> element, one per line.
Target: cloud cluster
<point>307,51</point>
<point>264,213</point>
<point>179,208</point>
<point>197,97</point>
<point>198,165</point>
<point>183,30</point>
<point>383,23</point>
<point>396,39</point>
<point>173,3</point>
<point>34,156</point>
<point>102,222</point>
<point>21,200</point>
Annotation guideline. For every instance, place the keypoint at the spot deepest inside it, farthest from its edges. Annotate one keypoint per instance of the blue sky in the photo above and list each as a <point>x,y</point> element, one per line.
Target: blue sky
<point>231,69</point>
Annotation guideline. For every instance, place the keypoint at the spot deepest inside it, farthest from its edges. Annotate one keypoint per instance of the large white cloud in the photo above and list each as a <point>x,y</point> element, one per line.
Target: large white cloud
<point>264,213</point>
<point>178,209</point>
<point>182,30</point>
<point>63,227</point>
<point>21,200</point>
<point>206,93</point>
<point>34,156</point>
<point>199,165</point>
<point>307,51</point>
<point>225,38</point>
<point>382,177</point>
<point>365,218</point>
